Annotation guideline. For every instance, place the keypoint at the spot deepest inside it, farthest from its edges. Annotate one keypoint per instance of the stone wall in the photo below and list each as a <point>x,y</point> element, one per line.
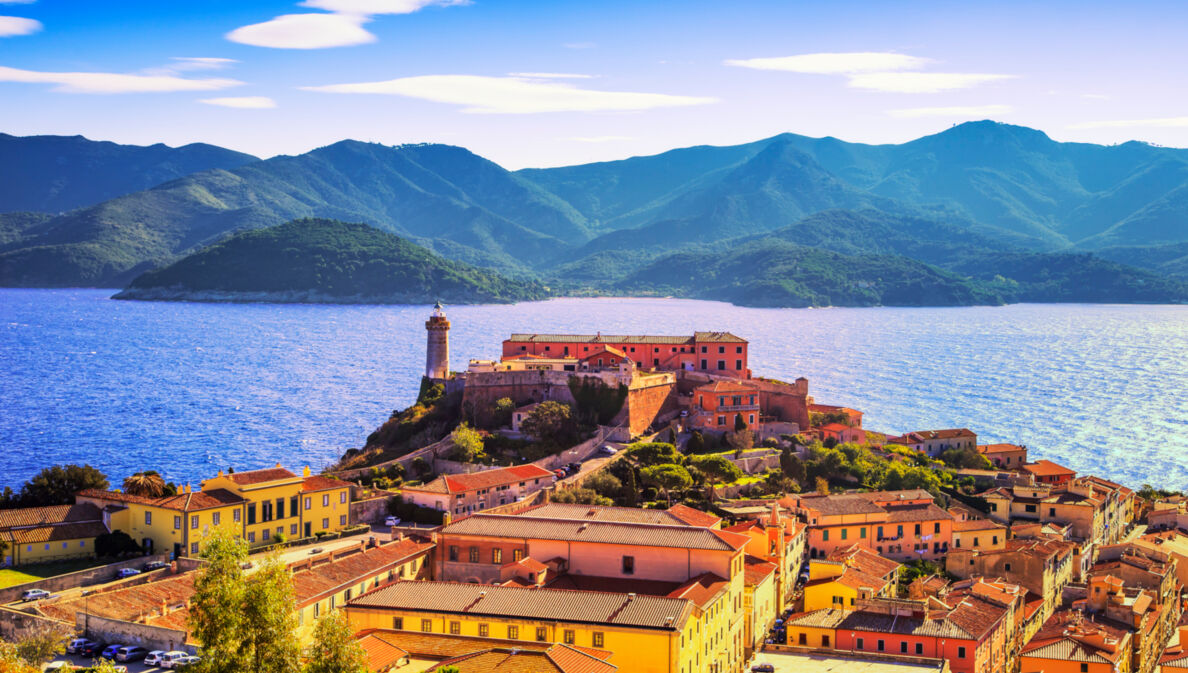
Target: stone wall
<point>14,622</point>
<point>82,578</point>
<point>784,401</point>
<point>522,387</point>
<point>649,400</point>
<point>149,637</point>
<point>372,510</point>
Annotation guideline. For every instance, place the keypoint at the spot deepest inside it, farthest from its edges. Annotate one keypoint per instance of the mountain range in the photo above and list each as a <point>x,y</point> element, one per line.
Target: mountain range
<point>1002,208</point>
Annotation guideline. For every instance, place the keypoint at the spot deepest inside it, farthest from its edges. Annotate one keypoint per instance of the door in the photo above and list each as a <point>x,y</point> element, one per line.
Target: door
<point>308,529</point>
<point>177,550</point>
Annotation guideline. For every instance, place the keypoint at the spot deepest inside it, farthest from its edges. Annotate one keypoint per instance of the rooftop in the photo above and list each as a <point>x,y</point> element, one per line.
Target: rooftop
<point>845,663</point>
<point>251,477</point>
<point>1046,468</point>
<point>677,515</point>
<point>462,483</point>
<point>190,501</point>
<point>725,337</point>
<point>528,526</point>
<point>587,607</point>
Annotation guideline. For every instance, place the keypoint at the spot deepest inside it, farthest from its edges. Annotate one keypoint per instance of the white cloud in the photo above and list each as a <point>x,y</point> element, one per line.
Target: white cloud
<point>550,75</point>
<point>183,63</point>
<point>841,63</point>
<point>921,82</point>
<point>1160,122</point>
<point>11,26</point>
<point>953,111</point>
<point>243,102</point>
<point>305,31</point>
<point>512,95</point>
<point>108,82</point>
<point>372,7</point>
<point>598,139</point>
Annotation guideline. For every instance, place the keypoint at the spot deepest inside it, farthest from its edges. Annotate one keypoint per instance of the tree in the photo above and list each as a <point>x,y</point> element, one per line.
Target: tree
<point>270,633</point>
<point>580,496</point>
<point>604,483</point>
<point>501,411</point>
<point>740,440</point>
<point>965,458</point>
<point>822,486</point>
<point>653,453</point>
<point>40,643</point>
<point>468,444</point>
<point>420,466</point>
<point>739,423</point>
<point>791,466</point>
<point>147,484</point>
<point>11,661</point>
<point>668,477</point>
<point>631,491</point>
<point>548,423</point>
<point>717,469</point>
<point>217,618</point>
<point>335,649</point>
<point>696,443</point>
<point>57,485</point>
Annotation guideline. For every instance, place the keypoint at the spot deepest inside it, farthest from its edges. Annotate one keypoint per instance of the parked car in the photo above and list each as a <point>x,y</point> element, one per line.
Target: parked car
<point>155,565</point>
<point>763,668</point>
<point>91,649</point>
<point>75,645</point>
<point>560,473</point>
<point>153,658</point>
<point>315,550</point>
<point>130,653</point>
<point>109,652</point>
<point>608,450</point>
<point>185,662</point>
<point>58,666</point>
<point>247,565</point>
<point>35,595</point>
<point>392,521</point>
<point>95,669</point>
<point>575,467</point>
<point>127,572</point>
<point>170,659</point>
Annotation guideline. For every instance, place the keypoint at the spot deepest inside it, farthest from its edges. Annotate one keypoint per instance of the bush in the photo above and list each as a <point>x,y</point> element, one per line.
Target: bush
<point>115,543</point>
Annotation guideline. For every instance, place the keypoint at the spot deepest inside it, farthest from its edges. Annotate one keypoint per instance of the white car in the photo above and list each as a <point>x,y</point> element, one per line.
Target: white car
<point>170,659</point>
<point>185,662</point>
<point>153,658</point>
<point>392,521</point>
<point>35,595</point>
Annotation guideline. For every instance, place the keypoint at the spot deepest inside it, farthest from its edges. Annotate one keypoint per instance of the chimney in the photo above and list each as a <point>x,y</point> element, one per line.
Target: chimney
<point>220,473</point>
<point>305,471</point>
<point>278,465</point>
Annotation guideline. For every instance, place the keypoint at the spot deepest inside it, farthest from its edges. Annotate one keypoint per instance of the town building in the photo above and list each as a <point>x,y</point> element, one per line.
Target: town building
<point>1004,456</point>
<point>901,525</point>
<point>717,352</point>
<point>394,651</point>
<point>721,405</point>
<point>437,351</point>
<point>777,539</point>
<point>1047,472</point>
<point>847,576</point>
<point>1098,511</point>
<point>761,602</point>
<point>55,533</point>
<point>1043,567</point>
<point>936,442</point>
<point>982,534</point>
<point>461,494</point>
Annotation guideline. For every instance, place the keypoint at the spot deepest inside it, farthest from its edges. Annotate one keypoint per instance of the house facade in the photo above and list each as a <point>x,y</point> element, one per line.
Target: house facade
<point>461,494</point>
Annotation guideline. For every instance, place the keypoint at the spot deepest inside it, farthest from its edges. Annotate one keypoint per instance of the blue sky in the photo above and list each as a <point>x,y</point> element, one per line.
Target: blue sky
<point>562,82</point>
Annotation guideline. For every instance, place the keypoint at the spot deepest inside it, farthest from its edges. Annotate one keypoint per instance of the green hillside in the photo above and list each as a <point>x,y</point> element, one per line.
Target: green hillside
<point>325,260</point>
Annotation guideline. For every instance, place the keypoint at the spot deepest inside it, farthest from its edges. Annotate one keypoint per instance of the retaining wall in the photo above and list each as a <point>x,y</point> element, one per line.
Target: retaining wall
<point>81,578</point>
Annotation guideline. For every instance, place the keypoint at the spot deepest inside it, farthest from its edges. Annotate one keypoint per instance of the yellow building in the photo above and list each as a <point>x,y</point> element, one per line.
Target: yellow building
<point>847,576</point>
<point>262,506</point>
<point>761,602</point>
<point>647,634</point>
<point>981,534</point>
<point>45,534</point>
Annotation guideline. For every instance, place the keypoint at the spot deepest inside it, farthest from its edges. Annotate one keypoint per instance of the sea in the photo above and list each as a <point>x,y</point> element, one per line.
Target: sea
<point>191,388</point>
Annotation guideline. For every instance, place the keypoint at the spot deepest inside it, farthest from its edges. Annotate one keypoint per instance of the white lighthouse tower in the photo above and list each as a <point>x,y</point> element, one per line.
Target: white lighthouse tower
<point>437,348</point>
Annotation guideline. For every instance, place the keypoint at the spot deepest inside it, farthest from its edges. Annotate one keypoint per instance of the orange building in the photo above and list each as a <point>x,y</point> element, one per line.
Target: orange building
<point>1005,456</point>
<point>715,352</point>
<point>717,406</point>
<point>1047,472</point>
<point>901,525</point>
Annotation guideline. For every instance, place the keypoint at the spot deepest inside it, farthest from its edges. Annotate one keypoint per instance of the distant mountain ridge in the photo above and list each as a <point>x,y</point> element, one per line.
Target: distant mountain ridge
<point>965,201</point>
<point>51,174</point>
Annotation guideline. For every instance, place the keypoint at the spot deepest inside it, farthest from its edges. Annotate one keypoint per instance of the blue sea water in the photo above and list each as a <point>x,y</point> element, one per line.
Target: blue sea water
<point>188,389</point>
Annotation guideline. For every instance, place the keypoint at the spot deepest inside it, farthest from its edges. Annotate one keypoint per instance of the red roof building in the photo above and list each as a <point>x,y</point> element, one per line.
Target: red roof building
<point>461,494</point>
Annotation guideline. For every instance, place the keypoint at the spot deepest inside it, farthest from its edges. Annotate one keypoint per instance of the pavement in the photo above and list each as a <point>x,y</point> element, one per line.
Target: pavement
<point>592,464</point>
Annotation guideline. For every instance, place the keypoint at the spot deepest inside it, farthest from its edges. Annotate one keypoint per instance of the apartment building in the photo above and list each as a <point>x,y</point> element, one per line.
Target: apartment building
<point>461,494</point>
<point>847,576</point>
<point>901,525</point>
<point>1043,567</point>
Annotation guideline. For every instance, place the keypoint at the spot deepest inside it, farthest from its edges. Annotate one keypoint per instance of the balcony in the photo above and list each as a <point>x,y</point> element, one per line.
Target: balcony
<point>737,407</point>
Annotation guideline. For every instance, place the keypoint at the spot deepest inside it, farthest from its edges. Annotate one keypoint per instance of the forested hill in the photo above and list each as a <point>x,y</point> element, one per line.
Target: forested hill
<point>315,260</point>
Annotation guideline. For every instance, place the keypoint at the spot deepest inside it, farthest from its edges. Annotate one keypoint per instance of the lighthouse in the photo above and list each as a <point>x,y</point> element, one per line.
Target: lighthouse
<point>437,347</point>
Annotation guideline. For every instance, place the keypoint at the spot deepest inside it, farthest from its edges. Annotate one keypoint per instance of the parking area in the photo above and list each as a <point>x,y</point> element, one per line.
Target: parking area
<point>133,667</point>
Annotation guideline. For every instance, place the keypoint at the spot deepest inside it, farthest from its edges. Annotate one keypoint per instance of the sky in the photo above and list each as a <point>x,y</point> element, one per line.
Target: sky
<point>558,82</point>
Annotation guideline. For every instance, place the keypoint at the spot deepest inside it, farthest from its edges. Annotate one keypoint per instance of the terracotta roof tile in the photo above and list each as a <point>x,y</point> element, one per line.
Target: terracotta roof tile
<point>56,514</point>
<point>694,517</point>
<point>87,530</point>
<point>319,482</point>
<point>501,476</point>
<point>260,476</point>
<point>1046,468</point>
<point>597,531</point>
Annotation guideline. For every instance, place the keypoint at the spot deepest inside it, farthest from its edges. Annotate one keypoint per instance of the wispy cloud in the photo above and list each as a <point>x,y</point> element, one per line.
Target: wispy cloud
<point>513,95</point>
<point>550,75</point>
<point>598,139</point>
<point>242,102</point>
<point>109,82</point>
<point>952,111</point>
<point>183,63</point>
<point>921,82</point>
<point>839,63</point>
<point>11,26</point>
<point>1159,122</point>
<point>872,70</point>
<point>342,27</point>
<point>305,31</point>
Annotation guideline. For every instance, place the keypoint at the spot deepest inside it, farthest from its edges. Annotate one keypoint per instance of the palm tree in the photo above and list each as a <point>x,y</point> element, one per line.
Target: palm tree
<point>147,484</point>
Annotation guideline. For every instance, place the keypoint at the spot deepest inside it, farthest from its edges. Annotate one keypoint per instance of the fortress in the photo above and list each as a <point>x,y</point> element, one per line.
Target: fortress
<point>703,380</point>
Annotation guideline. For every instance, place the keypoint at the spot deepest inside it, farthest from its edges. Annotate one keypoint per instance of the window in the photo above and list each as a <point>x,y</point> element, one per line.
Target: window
<point>569,637</point>
<point>251,513</point>
<point>1006,567</point>
<point>265,534</point>
<point>215,518</point>
<point>456,628</point>
<point>825,641</point>
<point>293,508</point>
<point>880,532</point>
<point>882,645</point>
<point>266,511</point>
<point>1029,508</point>
<point>513,633</point>
<point>861,644</point>
<point>960,652</point>
<point>307,503</point>
<point>1051,511</point>
<point>484,630</point>
<point>453,552</point>
<point>193,547</point>
<point>342,520</point>
<point>317,610</point>
<point>497,555</point>
<point>1084,668</point>
<point>994,539</point>
<point>177,523</point>
<point>194,522</point>
<point>802,639</point>
<point>342,496</point>
<point>474,554</point>
<point>293,530</point>
<point>628,565</point>
<point>845,533</point>
<point>326,522</point>
<point>704,362</point>
<point>598,639</point>
<point>936,527</point>
<point>917,530</point>
<point>862,533</point>
<point>426,626</point>
<point>825,535</point>
<point>148,518</point>
<point>738,364</point>
<point>280,508</point>
<point>252,537</point>
<point>325,500</point>
<point>398,623</point>
<point>235,516</point>
<point>903,647</point>
<point>898,532</point>
<point>541,634</point>
<point>722,365</point>
<point>919,648</point>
